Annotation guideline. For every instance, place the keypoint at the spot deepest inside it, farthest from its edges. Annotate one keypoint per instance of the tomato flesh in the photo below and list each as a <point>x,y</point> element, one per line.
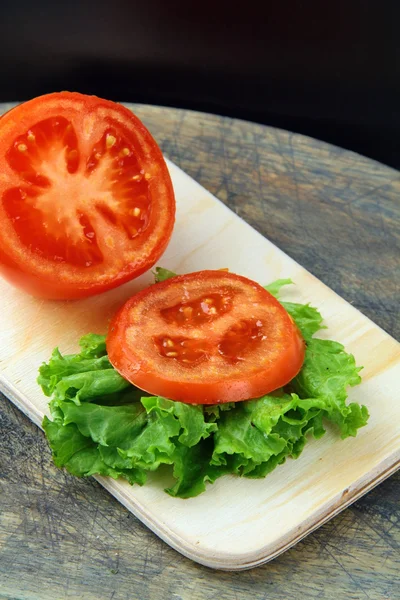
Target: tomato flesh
<point>205,338</point>
<point>86,201</point>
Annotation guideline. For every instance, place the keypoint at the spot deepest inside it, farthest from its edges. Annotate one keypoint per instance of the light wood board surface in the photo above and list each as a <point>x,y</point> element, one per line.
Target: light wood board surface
<point>245,522</point>
<point>238,523</point>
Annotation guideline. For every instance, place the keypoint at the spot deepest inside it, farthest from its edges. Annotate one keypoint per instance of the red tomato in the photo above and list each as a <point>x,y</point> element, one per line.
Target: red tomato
<point>86,200</point>
<point>205,338</point>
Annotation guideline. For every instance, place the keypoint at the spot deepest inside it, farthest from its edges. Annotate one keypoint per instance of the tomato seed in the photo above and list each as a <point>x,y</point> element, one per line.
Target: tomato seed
<point>110,141</point>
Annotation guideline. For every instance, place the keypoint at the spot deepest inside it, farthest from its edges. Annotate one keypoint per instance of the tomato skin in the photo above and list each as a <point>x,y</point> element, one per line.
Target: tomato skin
<point>40,275</point>
<point>51,289</point>
<point>139,370</point>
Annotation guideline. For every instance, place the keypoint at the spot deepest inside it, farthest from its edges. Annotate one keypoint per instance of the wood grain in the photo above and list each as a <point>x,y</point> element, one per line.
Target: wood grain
<point>316,173</point>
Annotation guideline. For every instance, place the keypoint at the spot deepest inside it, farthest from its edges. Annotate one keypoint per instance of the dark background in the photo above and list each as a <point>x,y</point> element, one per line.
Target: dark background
<point>324,68</point>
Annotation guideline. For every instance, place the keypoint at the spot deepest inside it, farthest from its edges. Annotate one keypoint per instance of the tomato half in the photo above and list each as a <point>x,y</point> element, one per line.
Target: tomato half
<point>86,200</point>
<point>205,338</point>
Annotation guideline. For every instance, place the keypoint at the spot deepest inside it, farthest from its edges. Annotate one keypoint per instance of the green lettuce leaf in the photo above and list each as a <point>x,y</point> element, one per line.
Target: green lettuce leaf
<point>107,425</point>
<point>261,433</point>
<point>92,357</point>
<point>81,456</point>
<point>327,371</point>
<point>103,425</point>
<point>212,411</point>
<point>275,287</point>
<point>93,345</point>
<point>89,385</point>
<point>155,444</point>
<point>59,366</point>
<point>307,318</point>
<point>161,274</point>
<point>237,434</point>
<point>191,418</point>
<point>193,470</point>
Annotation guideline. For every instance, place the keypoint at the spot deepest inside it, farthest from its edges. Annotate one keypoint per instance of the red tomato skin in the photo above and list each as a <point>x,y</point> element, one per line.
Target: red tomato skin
<point>19,274</point>
<point>202,392</point>
<point>52,289</point>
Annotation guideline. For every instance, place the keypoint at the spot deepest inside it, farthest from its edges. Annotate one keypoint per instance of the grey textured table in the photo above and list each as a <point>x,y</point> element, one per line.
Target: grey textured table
<point>336,213</point>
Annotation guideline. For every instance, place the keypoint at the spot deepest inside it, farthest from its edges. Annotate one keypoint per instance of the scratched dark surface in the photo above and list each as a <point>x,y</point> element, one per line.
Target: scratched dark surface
<point>337,214</point>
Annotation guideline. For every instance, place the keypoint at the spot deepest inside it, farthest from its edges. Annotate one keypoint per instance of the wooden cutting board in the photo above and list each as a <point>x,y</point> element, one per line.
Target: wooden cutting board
<point>237,523</point>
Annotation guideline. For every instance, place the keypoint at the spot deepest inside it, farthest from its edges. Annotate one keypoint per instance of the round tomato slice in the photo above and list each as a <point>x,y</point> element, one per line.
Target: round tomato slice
<point>205,338</point>
<point>86,200</point>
